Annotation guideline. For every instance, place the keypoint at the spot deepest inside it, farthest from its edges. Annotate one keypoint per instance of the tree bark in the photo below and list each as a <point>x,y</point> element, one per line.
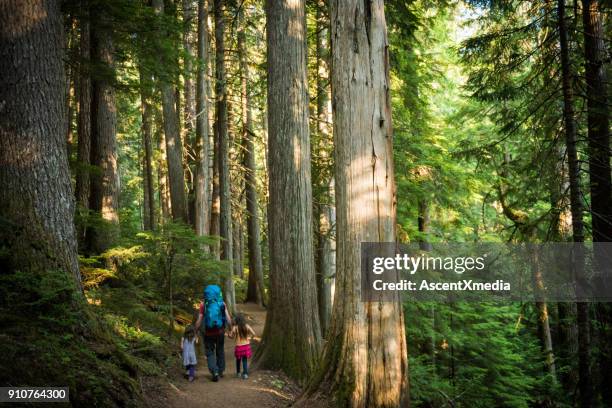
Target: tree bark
<point>225,198</point>
<point>365,360</point>
<point>147,141</point>
<point>598,122</point>
<point>189,108</point>
<point>255,279</point>
<point>104,182</point>
<point>36,198</point>
<point>174,145</point>
<point>162,174</point>
<point>84,119</point>
<point>584,375</point>
<point>292,335</point>
<point>202,138</point>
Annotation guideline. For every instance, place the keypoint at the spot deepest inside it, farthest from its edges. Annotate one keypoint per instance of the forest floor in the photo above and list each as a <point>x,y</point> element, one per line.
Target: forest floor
<point>263,388</point>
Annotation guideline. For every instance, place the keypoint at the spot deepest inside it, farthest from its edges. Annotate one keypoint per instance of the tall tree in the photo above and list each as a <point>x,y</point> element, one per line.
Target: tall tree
<point>292,335</point>
<point>147,141</point>
<point>202,208</point>
<point>365,360</point>
<point>598,121</point>
<point>584,375</point>
<point>189,108</point>
<point>323,181</point>
<point>599,170</point>
<point>104,188</point>
<point>36,200</point>
<point>255,289</point>
<point>172,136</point>
<point>84,114</point>
<point>225,198</point>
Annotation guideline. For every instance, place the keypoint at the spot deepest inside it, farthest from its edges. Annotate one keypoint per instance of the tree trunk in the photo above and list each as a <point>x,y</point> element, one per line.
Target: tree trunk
<point>104,187</point>
<point>162,174</point>
<point>237,247</point>
<point>202,151</point>
<point>189,109</point>
<point>84,120</point>
<point>174,146</point>
<point>584,375</point>
<point>365,360</point>
<point>255,279</point>
<point>292,335</point>
<point>225,198</point>
<point>36,198</point>
<point>598,123</point>
<point>147,141</point>
<point>599,173</point>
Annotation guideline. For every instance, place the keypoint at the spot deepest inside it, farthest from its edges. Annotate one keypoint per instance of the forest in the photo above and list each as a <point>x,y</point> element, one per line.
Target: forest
<point>149,148</point>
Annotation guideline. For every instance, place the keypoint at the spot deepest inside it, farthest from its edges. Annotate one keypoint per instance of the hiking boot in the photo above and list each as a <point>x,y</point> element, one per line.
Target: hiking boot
<point>245,376</point>
<point>238,375</point>
<point>191,379</point>
<point>215,377</point>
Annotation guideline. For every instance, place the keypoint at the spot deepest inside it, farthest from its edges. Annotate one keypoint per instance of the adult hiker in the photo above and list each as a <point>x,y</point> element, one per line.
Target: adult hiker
<point>216,317</point>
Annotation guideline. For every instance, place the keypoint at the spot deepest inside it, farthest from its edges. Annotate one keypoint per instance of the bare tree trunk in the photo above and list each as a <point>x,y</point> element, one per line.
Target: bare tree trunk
<point>162,174</point>
<point>84,119</point>
<point>174,146</point>
<point>292,335</point>
<point>584,374</point>
<point>36,198</point>
<point>189,109</point>
<point>599,172</point>
<point>225,198</point>
<point>598,122</point>
<point>365,360</point>
<point>215,205</point>
<point>237,246</point>
<point>255,282</point>
<point>202,151</point>
<point>147,141</point>
<point>104,187</point>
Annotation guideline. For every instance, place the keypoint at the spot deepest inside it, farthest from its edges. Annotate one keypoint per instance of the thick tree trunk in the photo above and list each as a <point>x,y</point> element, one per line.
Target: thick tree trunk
<point>599,173</point>
<point>365,359</point>
<point>36,198</point>
<point>255,281</point>
<point>225,198</point>
<point>598,122</point>
<point>174,146</point>
<point>202,140</point>
<point>104,182</point>
<point>584,374</point>
<point>84,120</point>
<point>292,335</point>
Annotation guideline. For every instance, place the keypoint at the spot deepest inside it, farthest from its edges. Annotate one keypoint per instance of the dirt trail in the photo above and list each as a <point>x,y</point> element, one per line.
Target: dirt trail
<point>262,388</point>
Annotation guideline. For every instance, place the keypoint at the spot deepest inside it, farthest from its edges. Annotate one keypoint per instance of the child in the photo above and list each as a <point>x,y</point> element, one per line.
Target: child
<point>243,332</point>
<point>188,346</point>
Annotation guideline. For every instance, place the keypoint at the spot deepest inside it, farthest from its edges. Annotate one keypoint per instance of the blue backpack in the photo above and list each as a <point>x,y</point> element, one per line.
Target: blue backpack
<point>214,312</point>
